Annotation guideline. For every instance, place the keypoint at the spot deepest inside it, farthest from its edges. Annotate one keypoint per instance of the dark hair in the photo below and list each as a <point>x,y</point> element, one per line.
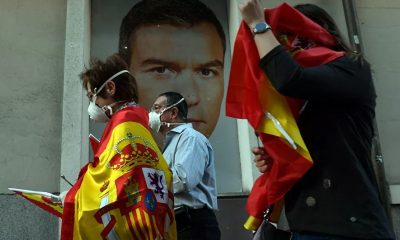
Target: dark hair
<point>174,97</point>
<point>185,13</point>
<point>99,72</point>
<point>322,18</point>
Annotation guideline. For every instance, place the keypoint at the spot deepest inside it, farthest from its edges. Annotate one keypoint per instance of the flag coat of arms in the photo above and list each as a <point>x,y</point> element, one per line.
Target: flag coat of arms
<point>126,192</point>
<point>251,96</point>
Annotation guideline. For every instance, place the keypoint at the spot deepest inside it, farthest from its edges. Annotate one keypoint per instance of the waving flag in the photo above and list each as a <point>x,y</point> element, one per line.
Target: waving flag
<point>46,201</point>
<point>251,96</point>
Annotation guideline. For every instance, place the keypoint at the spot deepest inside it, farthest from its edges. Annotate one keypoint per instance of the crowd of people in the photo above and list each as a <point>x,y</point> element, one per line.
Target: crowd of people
<point>137,187</point>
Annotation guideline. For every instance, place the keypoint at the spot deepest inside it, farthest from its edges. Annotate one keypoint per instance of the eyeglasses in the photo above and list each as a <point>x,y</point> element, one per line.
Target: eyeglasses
<point>90,95</point>
<point>156,108</point>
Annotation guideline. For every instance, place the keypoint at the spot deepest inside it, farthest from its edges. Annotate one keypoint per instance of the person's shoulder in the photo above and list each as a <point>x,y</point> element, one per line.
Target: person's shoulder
<point>137,109</point>
<point>351,61</point>
<point>191,132</point>
<point>132,113</point>
<point>351,64</point>
<point>345,59</point>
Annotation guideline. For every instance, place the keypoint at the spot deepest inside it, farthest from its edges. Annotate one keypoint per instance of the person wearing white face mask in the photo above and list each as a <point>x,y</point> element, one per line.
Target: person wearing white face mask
<point>102,114</point>
<point>191,159</point>
<point>155,118</point>
<point>128,182</point>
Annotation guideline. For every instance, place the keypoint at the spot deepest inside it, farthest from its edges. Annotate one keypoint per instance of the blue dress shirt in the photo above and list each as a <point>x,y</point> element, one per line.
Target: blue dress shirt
<point>191,159</point>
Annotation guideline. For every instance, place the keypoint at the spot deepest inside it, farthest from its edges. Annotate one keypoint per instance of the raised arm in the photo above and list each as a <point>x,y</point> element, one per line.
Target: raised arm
<point>253,13</point>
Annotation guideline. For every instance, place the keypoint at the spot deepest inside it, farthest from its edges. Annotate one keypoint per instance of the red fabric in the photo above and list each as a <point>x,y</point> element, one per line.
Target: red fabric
<point>243,100</point>
<point>67,229</point>
<point>43,205</point>
<point>287,168</point>
<point>139,115</point>
<point>94,143</point>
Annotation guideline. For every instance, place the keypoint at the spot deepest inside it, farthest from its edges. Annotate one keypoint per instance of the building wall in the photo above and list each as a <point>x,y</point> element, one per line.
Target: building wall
<point>31,66</point>
<point>380,32</point>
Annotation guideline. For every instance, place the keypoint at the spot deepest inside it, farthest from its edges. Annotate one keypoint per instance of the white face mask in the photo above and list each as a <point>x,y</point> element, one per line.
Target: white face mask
<point>155,118</point>
<point>97,113</point>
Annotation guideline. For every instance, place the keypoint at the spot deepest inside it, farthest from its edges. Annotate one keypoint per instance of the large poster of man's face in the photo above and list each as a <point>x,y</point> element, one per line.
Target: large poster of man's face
<point>176,46</point>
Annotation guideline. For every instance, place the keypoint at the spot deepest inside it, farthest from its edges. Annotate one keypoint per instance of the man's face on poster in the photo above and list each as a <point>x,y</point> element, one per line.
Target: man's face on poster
<point>187,60</point>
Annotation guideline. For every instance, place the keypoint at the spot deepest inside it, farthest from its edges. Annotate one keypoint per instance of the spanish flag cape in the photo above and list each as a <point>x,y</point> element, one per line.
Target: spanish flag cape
<point>251,96</point>
<point>126,192</point>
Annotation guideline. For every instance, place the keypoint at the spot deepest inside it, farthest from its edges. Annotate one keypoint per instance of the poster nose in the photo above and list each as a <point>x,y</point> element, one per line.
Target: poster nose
<point>189,89</point>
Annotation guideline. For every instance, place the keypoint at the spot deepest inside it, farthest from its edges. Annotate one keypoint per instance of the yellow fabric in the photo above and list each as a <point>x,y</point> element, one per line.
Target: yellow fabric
<point>252,223</point>
<point>279,108</point>
<point>50,206</point>
<point>121,185</point>
<point>277,105</point>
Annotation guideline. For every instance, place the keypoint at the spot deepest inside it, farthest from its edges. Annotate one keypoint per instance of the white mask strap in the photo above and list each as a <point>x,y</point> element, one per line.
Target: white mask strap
<point>173,105</point>
<point>169,124</point>
<point>109,107</point>
<point>111,78</point>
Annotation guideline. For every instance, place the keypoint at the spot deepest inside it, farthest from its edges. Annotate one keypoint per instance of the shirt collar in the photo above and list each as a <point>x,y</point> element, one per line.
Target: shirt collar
<point>173,132</point>
<point>180,128</point>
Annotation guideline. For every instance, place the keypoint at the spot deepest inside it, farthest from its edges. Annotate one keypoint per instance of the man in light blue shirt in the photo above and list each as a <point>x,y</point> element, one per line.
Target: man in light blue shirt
<point>191,159</point>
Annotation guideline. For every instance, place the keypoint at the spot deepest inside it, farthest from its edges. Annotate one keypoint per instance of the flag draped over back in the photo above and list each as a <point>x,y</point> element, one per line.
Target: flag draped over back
<point>251,96</point>
<point>126,193</point>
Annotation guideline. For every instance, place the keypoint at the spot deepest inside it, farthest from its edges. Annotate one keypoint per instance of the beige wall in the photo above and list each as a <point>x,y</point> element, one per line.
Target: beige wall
<point>31,67</point>
<point>380,32</point>
<point>31,95</point>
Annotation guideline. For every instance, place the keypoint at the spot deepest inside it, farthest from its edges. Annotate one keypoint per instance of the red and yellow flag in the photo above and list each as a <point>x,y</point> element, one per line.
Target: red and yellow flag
<point>126,193</point>
<point>251,96</point>
<point>46,201</point>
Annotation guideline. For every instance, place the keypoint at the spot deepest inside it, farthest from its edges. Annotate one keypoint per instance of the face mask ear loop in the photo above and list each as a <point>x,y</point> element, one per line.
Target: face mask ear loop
<point>111,78</point>
<point>109,107</point>
<point>93,99</point>
<point>173,105</point>
<point>181,100</point>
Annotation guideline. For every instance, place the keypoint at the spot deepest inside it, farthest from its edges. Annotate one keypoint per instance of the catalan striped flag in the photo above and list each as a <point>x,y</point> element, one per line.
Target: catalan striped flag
<point>251,96</point>
<point>46,201</point>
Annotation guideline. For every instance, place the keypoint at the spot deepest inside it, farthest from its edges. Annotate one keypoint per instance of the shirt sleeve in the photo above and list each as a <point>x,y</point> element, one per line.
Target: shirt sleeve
<point>191,159</point>
<point>342,78</point>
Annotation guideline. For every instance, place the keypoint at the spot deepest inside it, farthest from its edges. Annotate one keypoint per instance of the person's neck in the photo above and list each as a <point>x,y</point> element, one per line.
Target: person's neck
<point>118,106</point>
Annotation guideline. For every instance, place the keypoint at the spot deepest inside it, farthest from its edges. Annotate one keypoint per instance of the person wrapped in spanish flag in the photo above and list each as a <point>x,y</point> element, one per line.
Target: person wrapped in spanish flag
<point>126,191</point>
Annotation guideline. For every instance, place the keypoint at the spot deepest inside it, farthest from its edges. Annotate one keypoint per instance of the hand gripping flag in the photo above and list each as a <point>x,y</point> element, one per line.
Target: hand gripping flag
<point>251,96</point>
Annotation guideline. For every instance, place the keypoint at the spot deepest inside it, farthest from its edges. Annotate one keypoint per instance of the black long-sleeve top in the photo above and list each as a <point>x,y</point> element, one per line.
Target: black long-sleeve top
<point>339,194</point>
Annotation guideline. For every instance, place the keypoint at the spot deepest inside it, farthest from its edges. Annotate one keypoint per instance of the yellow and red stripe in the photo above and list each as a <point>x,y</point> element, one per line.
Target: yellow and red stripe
<point>43,202</point>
